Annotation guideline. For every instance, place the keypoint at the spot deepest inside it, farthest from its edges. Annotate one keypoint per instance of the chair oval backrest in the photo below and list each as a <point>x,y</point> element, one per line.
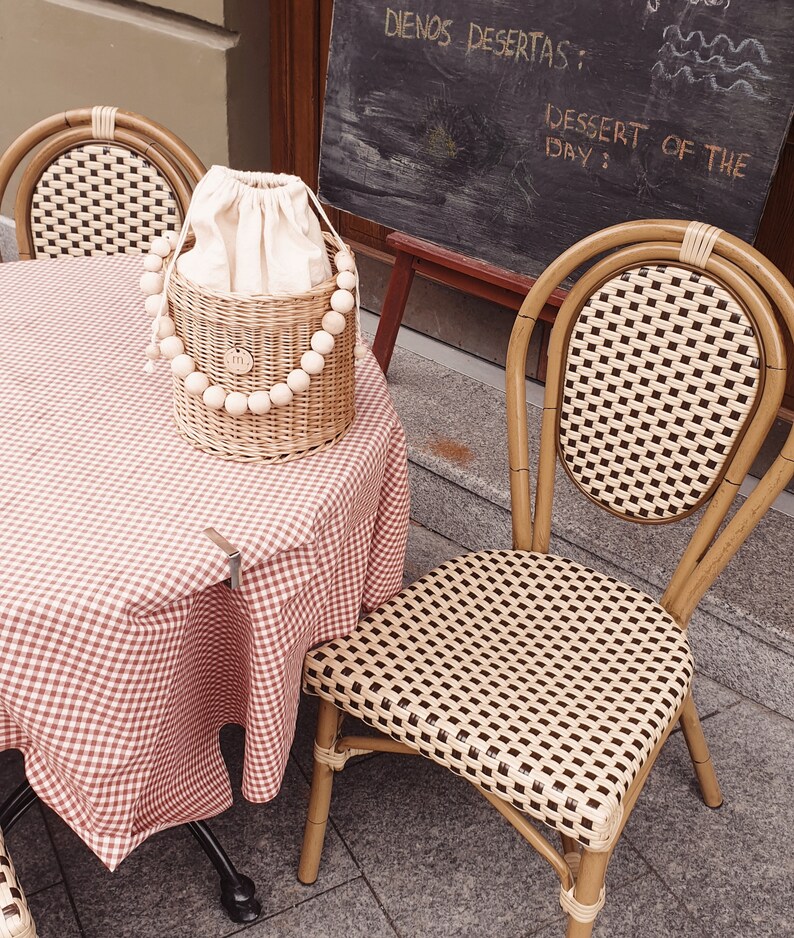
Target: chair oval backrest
<point>662,369</point>
<point>666,371</point>
<point>100,198</point>
<point>104,181</point>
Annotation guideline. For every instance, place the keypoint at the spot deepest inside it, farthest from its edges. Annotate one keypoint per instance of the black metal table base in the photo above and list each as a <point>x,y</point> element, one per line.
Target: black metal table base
<point>237,891</point>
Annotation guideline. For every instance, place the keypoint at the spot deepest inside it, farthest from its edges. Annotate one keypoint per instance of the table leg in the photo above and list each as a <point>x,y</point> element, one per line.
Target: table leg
<point>16,806</point>
<point>237,891</point>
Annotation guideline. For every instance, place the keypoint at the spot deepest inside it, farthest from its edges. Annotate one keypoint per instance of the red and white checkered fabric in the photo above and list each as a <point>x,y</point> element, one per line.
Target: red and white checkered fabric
<point>123,653</point>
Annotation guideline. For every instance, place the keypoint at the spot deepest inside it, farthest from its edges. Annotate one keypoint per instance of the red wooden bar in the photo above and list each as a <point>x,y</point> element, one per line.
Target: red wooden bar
<point>453,270</point>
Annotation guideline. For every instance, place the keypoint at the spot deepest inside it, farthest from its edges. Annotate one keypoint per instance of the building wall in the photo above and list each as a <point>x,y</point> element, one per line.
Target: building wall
<point>197,66</point>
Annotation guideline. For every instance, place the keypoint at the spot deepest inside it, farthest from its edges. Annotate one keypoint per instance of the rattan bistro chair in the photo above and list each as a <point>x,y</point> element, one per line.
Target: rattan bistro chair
<point>549,686</point>
<point>101,181</point>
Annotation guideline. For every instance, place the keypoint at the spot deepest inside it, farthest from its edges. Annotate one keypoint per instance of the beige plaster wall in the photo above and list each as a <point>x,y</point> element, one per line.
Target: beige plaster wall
<point>197,66</point>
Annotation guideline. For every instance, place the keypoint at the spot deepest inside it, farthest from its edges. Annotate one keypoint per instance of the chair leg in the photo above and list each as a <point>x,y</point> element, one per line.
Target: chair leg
<point>237,890</point>
<point>572,852</point>
<point>320,797</point>
<point>699,753</point>
<point>587,890</point>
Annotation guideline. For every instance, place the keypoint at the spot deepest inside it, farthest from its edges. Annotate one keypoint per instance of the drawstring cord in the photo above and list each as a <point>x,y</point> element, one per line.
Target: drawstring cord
<point>342,247</point>
<point>183,233</point>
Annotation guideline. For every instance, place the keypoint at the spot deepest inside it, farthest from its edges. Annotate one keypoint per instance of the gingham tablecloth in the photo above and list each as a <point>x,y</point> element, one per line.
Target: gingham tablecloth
<point>122,651</point>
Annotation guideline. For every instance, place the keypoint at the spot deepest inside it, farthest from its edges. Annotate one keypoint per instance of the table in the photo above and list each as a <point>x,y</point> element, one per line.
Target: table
<point>122,651</point>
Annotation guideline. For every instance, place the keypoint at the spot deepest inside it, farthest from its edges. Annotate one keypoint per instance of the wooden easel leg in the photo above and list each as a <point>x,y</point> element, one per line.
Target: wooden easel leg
<point>391,315</point>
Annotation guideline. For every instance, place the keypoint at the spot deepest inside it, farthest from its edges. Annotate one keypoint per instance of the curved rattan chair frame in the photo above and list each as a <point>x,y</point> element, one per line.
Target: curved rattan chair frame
<point>175,162</point>
<point>767,299</point>
<point>762,289</point>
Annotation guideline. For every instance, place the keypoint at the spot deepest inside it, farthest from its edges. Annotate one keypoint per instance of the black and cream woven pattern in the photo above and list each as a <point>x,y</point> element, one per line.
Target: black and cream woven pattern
<point>536,678</point>
<point>662,370</point>
<point>100,199</point>
<point>15,918</point>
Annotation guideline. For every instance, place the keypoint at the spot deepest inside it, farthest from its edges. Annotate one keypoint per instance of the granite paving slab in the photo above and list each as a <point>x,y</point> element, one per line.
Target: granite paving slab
<point>349,910</point>
<point>54,915</point>
<point>440,860</point>
<point>732,866</point>
<point>168,878</point>
<point>645,908</point>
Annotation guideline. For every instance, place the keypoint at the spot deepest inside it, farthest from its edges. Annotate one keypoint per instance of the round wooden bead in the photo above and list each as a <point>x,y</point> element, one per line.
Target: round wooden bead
<point>342,301</point>
<point>323,342</point>
<point>161,247</point>
<point>153,352</point>
<point>171,346</point>
<point>359,351</point>
<point>259,402</point>
<point>236,403</point>
<point>153,262</point>
<point>214,397</point>
<point>151,282</point>
<point>182,366</point>
<point>165,327</point>
<point>280,394</point>
<point>344,261</point>
<point>312,363</point>
<point>153,303</point>
<point>298,380</point>
<point>196,383</point>
<point>171,237</point>
<point>346,280</point>
<point>334,322</point>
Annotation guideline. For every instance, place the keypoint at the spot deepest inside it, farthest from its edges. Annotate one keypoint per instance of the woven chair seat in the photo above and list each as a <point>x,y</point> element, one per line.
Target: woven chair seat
<point>535,678</point>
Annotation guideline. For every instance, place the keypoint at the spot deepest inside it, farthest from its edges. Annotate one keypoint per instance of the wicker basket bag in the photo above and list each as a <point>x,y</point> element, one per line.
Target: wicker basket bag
<point>248,343</point>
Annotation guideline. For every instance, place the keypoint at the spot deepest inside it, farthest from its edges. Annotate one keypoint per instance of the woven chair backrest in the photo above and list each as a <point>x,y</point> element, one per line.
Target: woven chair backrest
<point>102,181</point>
<point>666,372</point>
<point>663,367</point>
<point>100,198</point>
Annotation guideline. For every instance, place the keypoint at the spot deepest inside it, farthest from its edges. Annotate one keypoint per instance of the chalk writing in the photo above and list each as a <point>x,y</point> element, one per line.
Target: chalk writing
<point>629,136</point>
<point>718,65</point>
<point>405,24</point>
<point>535,47</point>
<point>718,160</point>
<point>598,127</point>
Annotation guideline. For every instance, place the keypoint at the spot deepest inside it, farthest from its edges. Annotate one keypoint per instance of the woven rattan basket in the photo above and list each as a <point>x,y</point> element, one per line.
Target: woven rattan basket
<point>276,331</point>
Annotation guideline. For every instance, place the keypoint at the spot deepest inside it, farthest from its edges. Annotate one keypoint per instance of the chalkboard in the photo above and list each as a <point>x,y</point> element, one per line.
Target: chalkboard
<point>508,129</point>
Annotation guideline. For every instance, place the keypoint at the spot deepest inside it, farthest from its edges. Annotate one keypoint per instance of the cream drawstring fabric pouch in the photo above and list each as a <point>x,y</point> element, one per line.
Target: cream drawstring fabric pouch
<point>254,233</point>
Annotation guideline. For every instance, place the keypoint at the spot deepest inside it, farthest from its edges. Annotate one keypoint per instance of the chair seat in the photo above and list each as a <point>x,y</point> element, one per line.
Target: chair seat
<point>535,678</point>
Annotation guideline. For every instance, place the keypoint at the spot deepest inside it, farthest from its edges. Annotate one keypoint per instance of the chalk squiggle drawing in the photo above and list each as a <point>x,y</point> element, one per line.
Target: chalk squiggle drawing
<point>653,5</point>
<point>718,65</point>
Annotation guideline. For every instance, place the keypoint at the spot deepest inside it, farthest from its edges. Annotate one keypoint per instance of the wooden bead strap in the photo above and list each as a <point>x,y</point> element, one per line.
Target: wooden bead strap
<point>577,910</point>
<point>698,243</point>
<point>334,759</point>
<point>103,122</point>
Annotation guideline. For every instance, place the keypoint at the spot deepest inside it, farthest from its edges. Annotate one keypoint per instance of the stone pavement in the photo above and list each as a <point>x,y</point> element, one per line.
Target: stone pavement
<point>414,852</point>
